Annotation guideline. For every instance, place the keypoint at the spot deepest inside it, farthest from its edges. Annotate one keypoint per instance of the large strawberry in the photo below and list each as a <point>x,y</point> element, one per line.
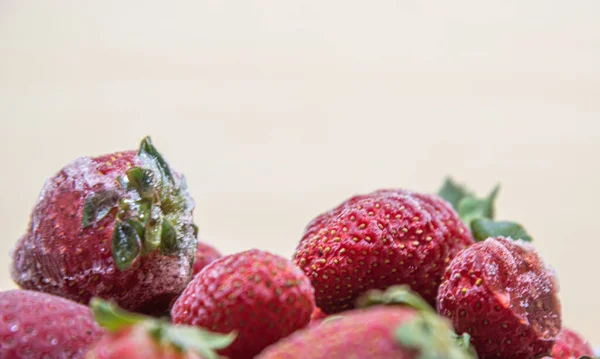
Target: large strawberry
<point>261,296</point>
<point>40,325</point>
<point>117,226</point>
<point>570,345</point>
<point>382,332</point>
<point>377,240</point>
<point>133,336</point>
<point>500,292</point>
<point>205,254</point>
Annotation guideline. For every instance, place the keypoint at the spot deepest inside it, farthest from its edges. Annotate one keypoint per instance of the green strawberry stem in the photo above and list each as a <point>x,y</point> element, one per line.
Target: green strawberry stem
<point>183,338</point>
<point>152,209</point>
<point>428,333</point>
<point>394,295</point>
<point>478,213</point>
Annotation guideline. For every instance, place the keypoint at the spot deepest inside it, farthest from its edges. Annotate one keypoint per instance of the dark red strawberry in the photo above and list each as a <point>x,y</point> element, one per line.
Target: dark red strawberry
<point>382,332</point>
<point>205,254</point>
<point>261,296</point>
<point>117,226</point>
<point>39,325</point>
<point>500,292</point>
<point>137,337</point>
<point>377,240</point>
<point>570,345</point>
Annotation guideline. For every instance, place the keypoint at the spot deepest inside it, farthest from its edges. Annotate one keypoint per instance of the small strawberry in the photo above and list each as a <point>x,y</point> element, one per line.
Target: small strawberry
<point>382,332</point>
<point>500,292</point>
<point>117,226</point>
<point>570,345</point>
<point>40,325</point>
<point>261,296</point>
<point>134,336</point>
<point>377,240</point>
<point>205,255</point>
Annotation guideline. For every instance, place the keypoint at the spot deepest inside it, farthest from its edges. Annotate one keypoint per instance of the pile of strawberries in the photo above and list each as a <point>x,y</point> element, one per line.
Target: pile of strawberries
<point>111,267</point>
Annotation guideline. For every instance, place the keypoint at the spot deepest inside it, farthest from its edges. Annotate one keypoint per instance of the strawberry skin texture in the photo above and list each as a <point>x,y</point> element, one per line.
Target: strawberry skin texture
<point>59,257</point>
<point>500,293</point>
<point>134,343</point>
<point>378,240</point>
<point>39,325</point>
<point>570,345</point>
<point>261,296</point>
<point>360,334</point>
<point>205,255</point>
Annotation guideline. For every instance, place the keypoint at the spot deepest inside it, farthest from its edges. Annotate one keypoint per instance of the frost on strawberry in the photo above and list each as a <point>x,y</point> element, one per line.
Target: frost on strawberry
<point>500,292</point>
<point>261,296</point>
<point>377,240</point>
<point>40,325</point>
<point>117,226</point>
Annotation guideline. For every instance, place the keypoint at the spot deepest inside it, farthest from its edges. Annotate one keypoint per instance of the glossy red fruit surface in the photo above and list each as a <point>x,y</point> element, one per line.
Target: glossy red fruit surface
<point>260,296</point>
<point>205,254</point>
<point>378,240</point>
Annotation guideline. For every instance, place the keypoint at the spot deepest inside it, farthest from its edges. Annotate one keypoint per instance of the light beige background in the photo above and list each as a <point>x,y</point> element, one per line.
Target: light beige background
<point>279,110</point>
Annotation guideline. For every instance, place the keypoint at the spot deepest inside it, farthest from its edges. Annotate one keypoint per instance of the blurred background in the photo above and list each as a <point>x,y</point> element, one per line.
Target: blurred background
<point>277,111</point>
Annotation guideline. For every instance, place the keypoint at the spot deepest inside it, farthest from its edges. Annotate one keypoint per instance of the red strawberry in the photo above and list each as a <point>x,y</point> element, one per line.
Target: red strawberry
<point>117,226</point>
<point>205,255</point>
<point>263,297</point>
<point>137,337</point>
<point>377,240</point>
<point>570,345</point>
<point>39,325</point>
<point>382,332</point>
<point>316,316</point>
<point>500,293</point>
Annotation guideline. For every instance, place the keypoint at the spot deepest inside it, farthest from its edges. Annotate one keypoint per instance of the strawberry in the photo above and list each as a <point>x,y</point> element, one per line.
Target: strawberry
<point>382,332</point>
<point>570,345</point>
<point>377,240</point>
<point>134,336</point>
<point>261,296</point>
<point>316,316</point>
<point>500,292</point>
<point>117,226</point>
<point>205,254</point>
<point>39,325</point>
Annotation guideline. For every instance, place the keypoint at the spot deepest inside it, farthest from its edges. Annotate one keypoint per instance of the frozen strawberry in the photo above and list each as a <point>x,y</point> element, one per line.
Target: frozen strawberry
<point>382,332</point>
<point>117,226</point>
<point>137,337</point>
<point>377,240</point>
<point>205,254</point>
<point>570,345</point>
<point>39,325</point>
<point>500,292</point>
<point>261,296</point>
<point>316,316</point>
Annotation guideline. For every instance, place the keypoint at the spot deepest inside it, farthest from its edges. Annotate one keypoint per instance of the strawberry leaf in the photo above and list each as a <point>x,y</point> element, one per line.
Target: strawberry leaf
<point>142,181</point>
<point>126,244</point>
<point>203,342</point>
<point>484,228</point>
<point>97,205</point>
<point>111,317</point>
<point>148,149</point>
<point>471,207</point>
<point>432,337</point>
<point>453,192</point>
<point>394,295</point>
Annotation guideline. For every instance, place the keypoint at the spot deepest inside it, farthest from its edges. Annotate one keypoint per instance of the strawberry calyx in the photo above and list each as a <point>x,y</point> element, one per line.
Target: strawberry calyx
<point>428,333</point>
<point>153,209</point>
<point>182,338</point>
<point>478,213</point>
